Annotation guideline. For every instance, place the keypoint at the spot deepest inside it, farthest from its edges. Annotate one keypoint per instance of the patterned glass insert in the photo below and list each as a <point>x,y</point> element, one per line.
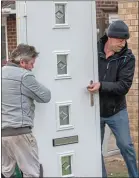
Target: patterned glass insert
<point>61,64</point>
<point>60,13</point>
<point>66,165</point>
<point>64,115</point>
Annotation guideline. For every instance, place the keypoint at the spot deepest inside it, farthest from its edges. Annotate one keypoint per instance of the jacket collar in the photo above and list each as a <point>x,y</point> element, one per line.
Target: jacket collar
<point>101,44</point>
<point>9,63</point>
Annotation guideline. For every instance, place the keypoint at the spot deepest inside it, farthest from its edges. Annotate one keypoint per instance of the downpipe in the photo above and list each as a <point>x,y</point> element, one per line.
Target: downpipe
<point>25,20</point>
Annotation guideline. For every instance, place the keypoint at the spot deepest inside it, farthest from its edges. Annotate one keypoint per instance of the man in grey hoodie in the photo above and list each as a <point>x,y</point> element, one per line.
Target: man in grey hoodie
<point>19,90</point>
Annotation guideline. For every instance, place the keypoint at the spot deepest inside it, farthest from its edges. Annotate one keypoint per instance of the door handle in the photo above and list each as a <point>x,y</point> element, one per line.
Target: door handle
<point>92,99</point>
<point>91,95</point>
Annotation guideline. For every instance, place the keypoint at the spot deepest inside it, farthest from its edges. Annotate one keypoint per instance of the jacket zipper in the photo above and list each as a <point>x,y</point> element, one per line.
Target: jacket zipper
<point>106,70</point>
<point>108,66</point>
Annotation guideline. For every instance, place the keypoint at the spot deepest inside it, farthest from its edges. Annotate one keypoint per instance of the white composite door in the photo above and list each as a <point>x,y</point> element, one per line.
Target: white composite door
<point>67,128</point>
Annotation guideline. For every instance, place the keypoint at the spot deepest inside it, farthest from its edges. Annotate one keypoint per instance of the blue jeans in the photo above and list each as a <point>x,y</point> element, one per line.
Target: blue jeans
<point>119,124</point>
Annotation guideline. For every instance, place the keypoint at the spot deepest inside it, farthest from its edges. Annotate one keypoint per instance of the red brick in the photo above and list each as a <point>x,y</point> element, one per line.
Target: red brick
<point>102,4</point>
<point>11,33</point>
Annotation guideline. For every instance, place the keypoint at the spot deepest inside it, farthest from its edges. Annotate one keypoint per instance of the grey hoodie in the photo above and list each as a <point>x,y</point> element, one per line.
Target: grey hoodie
<point>19,90</point>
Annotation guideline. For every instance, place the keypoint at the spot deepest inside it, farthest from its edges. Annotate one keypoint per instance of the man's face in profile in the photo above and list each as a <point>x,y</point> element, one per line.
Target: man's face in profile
<point>28,65</point>
<point>117,44</point>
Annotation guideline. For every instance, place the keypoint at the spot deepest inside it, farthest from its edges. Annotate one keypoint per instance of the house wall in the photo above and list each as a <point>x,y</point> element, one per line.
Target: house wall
<point>103,9</point>
<point>128,11</point>
<point>100,4</point>
<point>11,32</point>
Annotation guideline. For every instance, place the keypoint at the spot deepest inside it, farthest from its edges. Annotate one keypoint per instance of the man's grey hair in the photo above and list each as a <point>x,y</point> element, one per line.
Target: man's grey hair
<point>23,52</point>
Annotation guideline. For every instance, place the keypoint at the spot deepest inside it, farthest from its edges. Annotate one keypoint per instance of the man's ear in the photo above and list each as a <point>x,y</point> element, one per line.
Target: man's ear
<point>21,62</point>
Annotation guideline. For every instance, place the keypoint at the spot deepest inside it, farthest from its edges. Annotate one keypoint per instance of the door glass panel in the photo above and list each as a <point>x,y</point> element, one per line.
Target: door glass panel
<point>64,115</point>
<point>60,13</point>
<point>66,165</point>
<point>62,64</point>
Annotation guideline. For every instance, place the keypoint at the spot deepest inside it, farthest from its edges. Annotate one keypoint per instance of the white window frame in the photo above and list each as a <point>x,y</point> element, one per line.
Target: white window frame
<point>4,23</point>
<point>70,125</point>
<point>63,76</point>
<point>69,153</point>
<point>65,25</point>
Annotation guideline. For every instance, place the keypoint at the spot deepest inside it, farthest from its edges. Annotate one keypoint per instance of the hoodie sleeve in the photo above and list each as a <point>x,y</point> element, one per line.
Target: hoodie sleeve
<point>32,88</point>
<point>124,79</point>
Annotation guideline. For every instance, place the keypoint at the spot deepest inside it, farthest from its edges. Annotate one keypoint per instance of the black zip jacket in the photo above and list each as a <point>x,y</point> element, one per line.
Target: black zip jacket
<point>116,76</point>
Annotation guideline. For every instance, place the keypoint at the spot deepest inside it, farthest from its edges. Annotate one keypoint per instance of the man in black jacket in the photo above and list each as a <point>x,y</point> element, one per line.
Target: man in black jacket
<point>116,70</point>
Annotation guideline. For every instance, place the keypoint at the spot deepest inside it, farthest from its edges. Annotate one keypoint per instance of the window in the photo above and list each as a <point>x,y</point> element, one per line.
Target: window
<point>62,59</point>
<point>62,64</point>
<point>64,115</point>
<point>66,164</point>
<point>60,15</point>
<point>64,120</point>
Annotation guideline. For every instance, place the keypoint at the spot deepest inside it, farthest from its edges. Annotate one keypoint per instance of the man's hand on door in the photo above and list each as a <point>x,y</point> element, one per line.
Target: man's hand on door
<point>93,87</point>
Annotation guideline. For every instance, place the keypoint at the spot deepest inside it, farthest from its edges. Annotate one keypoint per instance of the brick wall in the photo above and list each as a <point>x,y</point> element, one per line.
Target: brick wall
<point>103,8</point>
<point>100,4</point>
<point>128,11</point>
<point>11,32</point>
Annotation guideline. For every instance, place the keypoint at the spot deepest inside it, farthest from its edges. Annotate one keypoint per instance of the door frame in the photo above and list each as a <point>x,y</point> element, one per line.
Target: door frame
<point>4,23</point>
